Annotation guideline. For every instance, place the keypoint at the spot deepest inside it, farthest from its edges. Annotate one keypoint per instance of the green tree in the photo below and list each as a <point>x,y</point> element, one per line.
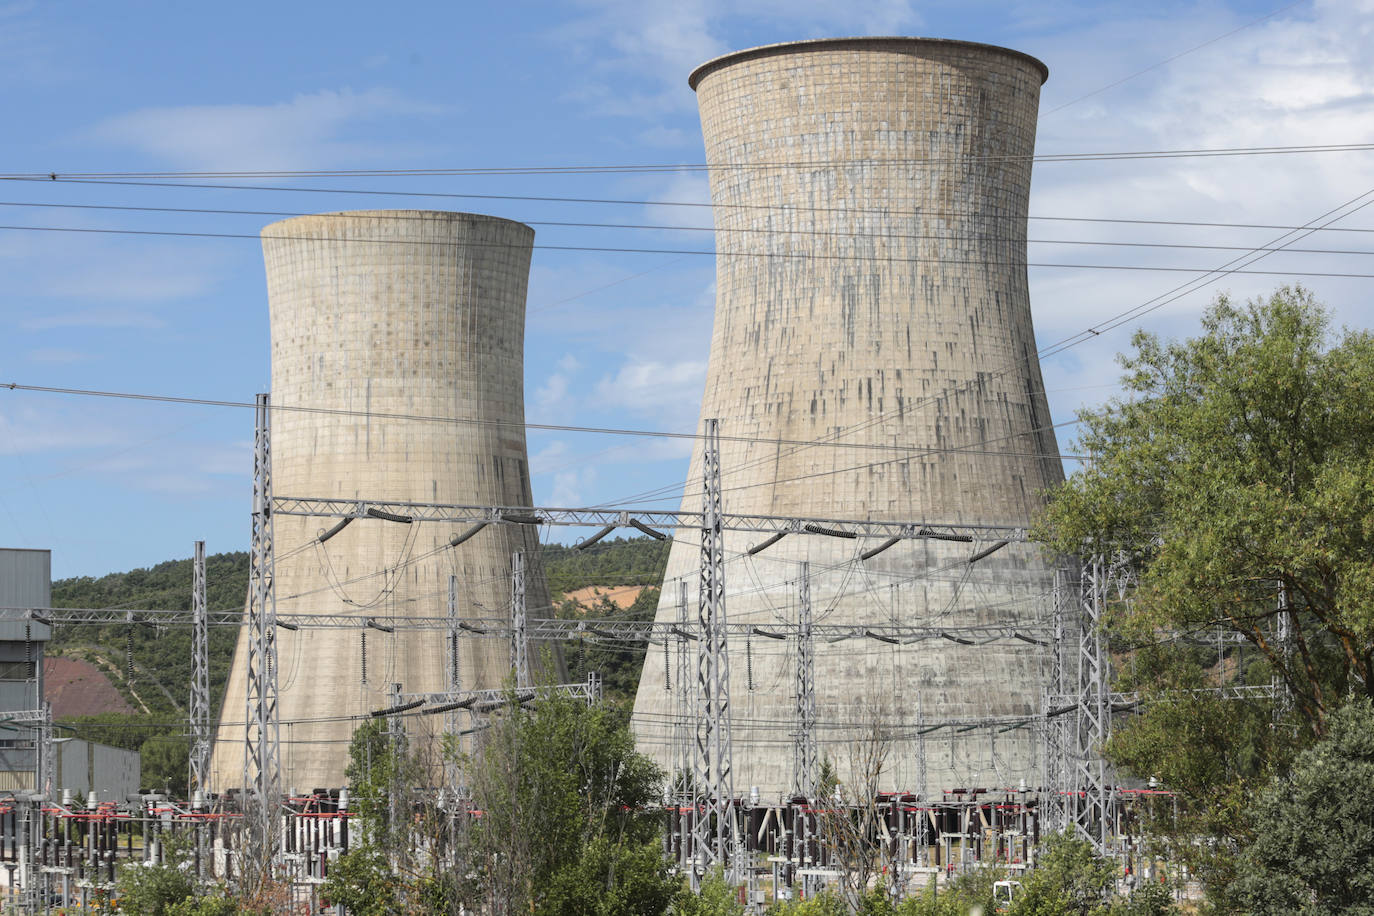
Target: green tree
<point>565,825</point>
<point>718,897</point>
<point>1069,879</point>
<point>1314,850</point>
<point>153,890</point>
<point>1235,474</point>
<point>366,880</point>
<point>1241,467</point>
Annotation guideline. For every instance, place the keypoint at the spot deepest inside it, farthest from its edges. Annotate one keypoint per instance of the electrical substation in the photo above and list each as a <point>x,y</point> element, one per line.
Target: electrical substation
<point>850,589</point>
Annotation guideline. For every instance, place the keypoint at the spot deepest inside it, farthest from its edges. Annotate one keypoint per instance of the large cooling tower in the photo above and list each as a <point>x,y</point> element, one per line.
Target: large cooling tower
<point>383,315</point>
<point>870,203</point>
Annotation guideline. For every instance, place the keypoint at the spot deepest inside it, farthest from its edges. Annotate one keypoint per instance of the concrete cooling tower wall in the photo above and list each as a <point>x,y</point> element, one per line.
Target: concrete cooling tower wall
<point>387,314</point>
<point>870,208</point>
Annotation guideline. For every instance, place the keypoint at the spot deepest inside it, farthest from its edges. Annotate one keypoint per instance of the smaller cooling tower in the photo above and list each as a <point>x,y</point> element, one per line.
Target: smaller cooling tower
<point>386,315</point>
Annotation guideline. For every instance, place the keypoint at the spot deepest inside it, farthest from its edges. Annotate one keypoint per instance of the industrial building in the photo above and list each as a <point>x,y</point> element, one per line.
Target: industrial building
<point>78,765</point>
<point>377,318</point>
<point>870,199</point>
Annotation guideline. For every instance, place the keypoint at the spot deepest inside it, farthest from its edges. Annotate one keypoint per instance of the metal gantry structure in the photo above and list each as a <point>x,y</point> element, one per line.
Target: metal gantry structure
<point>1076,778</point>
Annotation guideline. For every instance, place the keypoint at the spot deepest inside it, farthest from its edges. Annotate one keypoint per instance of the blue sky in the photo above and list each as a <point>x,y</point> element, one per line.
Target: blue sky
<point>612,339</point>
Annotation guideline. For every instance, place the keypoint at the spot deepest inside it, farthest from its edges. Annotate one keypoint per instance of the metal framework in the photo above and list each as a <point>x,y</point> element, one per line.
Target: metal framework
<point>47,762</point>
<point>1056,734</point>
<point>538,628</point>
<point>713,829</point>
<point>199,707</point>
<point>654,518</point>
<point>1090,802</point>
<point>519,636</point>
<point>453,678</point>
<point>686,702</point>
<point>805,765</point>
<point>484,701</point>
<point>262,745</point>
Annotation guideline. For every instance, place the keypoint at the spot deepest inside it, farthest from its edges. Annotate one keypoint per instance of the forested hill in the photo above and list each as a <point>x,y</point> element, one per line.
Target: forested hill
<point>162,658</point>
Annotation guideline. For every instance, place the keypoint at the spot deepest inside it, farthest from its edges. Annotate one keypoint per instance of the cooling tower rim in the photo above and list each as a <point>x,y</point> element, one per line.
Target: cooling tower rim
<point>451,216</point>
<point>824,44</point>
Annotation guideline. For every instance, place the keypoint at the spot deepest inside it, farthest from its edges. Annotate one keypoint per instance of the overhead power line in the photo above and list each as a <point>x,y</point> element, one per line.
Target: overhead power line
<point>846,211</point>
<point>785,255</point>
<point>375,415</point>
<point>772,232</point>
<point>898,162</point>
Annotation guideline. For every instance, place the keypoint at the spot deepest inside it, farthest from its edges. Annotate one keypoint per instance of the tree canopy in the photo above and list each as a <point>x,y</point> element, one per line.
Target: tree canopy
<point>1236,475</point>
<point>1316,853</point>
<point>566,826</point>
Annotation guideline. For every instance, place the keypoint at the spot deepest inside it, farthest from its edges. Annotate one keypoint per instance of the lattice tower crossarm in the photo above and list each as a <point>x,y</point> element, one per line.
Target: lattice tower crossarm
<point>685,520</point>
<point>200,677</point>
<point>713,760</point>
<point>548,629</point>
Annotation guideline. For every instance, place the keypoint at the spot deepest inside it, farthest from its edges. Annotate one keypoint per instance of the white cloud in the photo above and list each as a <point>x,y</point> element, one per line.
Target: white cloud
<point>654,388</point>
<point>684,188</point>
<point>548,457</point>
<point>1305,77</point>
<point>551,394</point>
<point>309,131</point>
<point>659,42</point>
<point>570,487</point>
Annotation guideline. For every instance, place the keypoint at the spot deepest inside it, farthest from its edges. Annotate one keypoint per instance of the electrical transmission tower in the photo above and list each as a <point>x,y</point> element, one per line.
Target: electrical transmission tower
<point>262,747</point>
<point>453,679</point>
<point>1087,797</point>
<point>200,677</point>
<point>519,647</point>
<point>713,832</point>
<point>806,768</point>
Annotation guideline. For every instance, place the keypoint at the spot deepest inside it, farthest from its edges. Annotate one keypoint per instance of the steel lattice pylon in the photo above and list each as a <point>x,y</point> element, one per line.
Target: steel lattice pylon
<point>1090,792</point>
<point>713,832</point>
<point>200,677</point>
<point>47,762</point>
<point>1056,725</point>
<point>262,747</point>
<point>519,645</point>
<point>806,768</point>
<point>454,681</point>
